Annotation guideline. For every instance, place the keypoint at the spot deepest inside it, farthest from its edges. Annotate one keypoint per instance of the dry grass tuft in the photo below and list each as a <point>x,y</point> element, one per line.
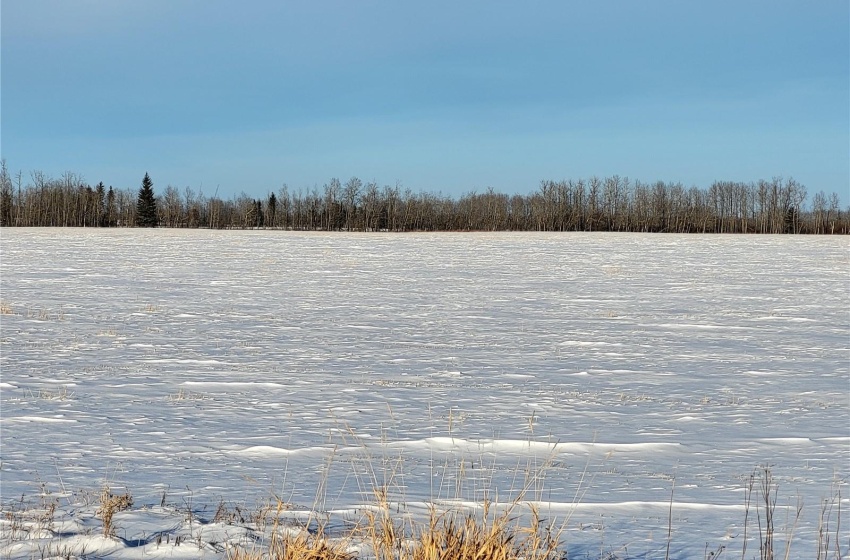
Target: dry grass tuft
<point>453,536</point>
<point>305,546</point>
<point>300,546</point>
<point>110,504</point>
<point>446,536</point>
<point>60,394</point>
<point>184,395</point>
<point>465,538</point>
<point>456,535</point>
<point>24,521</point>
<point>41,314</point>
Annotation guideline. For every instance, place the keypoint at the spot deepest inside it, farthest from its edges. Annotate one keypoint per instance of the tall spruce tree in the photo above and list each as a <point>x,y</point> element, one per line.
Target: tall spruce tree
<point>146,205</point>
<point>100,191</point>
<point>110,208</point>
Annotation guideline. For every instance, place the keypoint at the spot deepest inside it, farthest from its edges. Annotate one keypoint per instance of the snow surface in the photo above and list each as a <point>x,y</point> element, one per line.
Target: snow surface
<point>194,367</point>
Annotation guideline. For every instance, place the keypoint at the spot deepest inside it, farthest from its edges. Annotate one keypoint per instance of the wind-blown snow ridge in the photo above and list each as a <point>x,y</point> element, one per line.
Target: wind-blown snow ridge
<point>271,451</point>
<point>633,507</point>
<point>46,419</point>
<point>466,446</point>
<point>224,385</point>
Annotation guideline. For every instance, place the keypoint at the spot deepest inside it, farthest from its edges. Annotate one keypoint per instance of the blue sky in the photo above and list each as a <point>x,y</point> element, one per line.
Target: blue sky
<point>438,96</point>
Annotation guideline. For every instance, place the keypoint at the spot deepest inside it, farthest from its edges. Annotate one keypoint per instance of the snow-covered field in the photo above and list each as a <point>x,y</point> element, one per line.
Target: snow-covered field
<point>191,368</point>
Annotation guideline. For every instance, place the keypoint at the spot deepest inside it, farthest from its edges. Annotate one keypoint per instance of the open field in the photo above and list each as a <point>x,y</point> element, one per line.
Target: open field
<point>195,368</point>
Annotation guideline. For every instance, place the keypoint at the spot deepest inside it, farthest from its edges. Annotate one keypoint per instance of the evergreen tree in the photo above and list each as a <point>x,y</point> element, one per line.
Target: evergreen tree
<point>272,208</point>
<point>146,205</point>
<point>110,208</point>
<point>101,205</point>
<point>258,214</point>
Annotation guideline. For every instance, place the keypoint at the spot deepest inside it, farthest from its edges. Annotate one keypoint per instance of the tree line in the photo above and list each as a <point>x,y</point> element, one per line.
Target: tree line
<point>596,204</point>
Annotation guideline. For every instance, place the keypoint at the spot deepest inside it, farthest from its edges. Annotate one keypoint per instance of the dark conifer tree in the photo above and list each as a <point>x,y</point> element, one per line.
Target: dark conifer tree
<point>100,191</point>
<point>110,208</point>
<point>146,205</point>
<point>258,214</point>
<point>272,209</point>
